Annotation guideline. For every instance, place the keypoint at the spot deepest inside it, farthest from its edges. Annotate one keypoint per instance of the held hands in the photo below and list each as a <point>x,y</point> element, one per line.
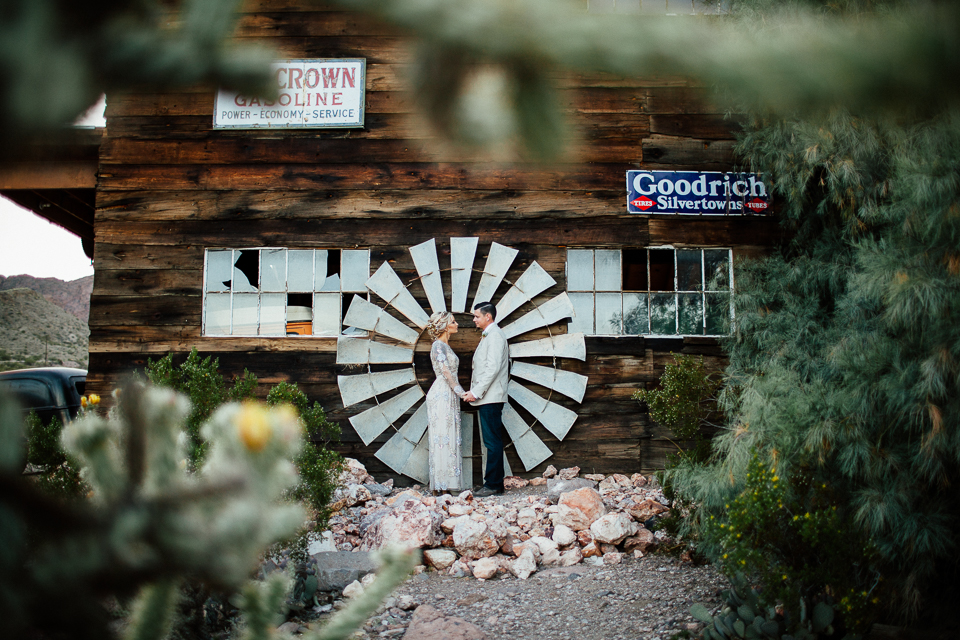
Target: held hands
<point>469,397</point>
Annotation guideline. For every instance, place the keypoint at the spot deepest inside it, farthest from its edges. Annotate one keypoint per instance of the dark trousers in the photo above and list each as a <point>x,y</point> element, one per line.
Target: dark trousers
<point>491,431</point>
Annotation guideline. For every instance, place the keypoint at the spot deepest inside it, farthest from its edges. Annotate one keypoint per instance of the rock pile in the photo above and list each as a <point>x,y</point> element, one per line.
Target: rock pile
<point>593,519</point>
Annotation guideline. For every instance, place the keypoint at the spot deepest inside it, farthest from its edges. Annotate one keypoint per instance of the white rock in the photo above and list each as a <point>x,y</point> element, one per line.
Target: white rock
<point>563,535</point>
<point>472,539</point>
<point>550,471</point>
<point>353,589</point>
<point>406,603</point>
<point>485,568</point>
<point>439,558</point>
<point>324,544</point>
<point>612,557</point>
<point>459,510</point>
<point>544,544</point>
<point>571,557</point>
<point>523,566</point>
<point>526,518</point>
<point>550,557</point>
<point>612,528</point>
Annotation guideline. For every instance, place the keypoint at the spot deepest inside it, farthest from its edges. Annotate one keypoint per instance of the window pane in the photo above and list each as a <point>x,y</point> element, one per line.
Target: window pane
<point>273,263</point>
<point>627,6</point>
<point>245,314</point>
<point>356,270</point>
<point>246,270</point>
<point>635,319</point>
<point>219,266</point>
<point>661,270</point>
<point>328,270</point>
<point>326,314</point>
<point>609,314</point>
<point>691,314</point>
<point>300,270</point>
<point>663,314</point>
<point>688,270</point>
<point>717,267</point>
<point>273,313</point>
<point>607,265</point>
<point>299,314</point>
<point>635,270</point>
<point>582,322</point>
<point>718,314</point>
<point>580,270</point>
<point>216,314</point>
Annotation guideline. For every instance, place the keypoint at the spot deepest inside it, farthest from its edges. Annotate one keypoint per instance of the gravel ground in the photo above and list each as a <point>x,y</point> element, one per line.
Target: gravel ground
<point>647,598</point>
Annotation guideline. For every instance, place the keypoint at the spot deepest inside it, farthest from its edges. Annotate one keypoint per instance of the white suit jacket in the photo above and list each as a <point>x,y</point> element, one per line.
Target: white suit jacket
<point>491,368</point>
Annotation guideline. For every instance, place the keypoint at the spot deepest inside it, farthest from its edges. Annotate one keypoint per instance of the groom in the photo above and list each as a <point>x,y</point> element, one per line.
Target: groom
<point>488,392</point>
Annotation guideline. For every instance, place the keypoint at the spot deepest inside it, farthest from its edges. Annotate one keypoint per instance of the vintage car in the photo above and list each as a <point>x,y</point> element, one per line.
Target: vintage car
<point>49,391</point>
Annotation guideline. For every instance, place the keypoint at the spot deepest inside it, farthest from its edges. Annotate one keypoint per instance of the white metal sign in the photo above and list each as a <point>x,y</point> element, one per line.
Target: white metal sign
<point>312,94</point>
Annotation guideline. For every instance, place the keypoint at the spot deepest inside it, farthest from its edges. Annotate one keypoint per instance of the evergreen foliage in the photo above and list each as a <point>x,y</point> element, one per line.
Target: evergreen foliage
<point>319,467</point>
<point>56,474</point>
<point>201,381</point>
<point>59,56</point>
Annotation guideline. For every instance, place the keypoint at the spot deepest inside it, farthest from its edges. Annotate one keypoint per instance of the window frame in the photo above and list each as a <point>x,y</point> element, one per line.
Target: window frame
<point>259,291</point>
<point>647,295</point>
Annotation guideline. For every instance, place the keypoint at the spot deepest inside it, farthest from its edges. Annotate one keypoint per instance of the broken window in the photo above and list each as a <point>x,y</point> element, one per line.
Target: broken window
<point>650,291</point>
<point>280,292</point>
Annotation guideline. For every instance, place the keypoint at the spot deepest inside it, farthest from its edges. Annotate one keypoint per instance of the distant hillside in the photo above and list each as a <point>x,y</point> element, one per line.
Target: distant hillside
<point>73,296</point>
<point>31,327</point>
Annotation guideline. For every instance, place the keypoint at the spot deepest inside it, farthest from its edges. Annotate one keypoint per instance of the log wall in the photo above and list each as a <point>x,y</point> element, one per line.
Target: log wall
<point>170,186</point>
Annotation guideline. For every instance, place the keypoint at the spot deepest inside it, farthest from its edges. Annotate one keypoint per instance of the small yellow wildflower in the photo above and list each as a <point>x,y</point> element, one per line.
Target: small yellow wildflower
<point>94,398</point>
<point>254,426</point>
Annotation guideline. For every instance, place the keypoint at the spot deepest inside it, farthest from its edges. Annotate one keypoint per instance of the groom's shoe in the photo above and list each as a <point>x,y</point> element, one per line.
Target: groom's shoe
<point>486,492</point>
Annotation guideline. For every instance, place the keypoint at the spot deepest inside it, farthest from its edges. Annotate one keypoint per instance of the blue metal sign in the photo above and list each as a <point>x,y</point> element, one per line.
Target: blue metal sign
<point>696,192</point>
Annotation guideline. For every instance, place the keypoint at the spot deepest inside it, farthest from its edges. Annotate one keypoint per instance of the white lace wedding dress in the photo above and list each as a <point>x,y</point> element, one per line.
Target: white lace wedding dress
<point>443,418</point>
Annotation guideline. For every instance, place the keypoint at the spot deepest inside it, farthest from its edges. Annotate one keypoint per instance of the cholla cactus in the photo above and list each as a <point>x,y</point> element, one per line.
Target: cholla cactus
<point>150,524</point>
<point>213,524</point>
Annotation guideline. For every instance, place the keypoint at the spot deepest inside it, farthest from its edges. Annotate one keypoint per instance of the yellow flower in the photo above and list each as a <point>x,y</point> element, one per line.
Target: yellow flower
<point>253,425</point>
<point>94,398</point>
<point>83,401</point>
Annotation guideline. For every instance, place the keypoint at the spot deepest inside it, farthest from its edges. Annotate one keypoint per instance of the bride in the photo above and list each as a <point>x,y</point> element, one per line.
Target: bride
<point>443,407</point>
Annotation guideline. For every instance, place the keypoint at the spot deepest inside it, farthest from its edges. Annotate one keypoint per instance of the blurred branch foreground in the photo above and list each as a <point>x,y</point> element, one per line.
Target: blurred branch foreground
<point>149,524</point>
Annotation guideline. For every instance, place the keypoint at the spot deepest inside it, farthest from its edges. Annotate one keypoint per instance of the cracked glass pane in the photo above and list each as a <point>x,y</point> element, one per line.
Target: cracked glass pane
<point>688,270</point>
<point>635,319</point>
<point>356,270</point>
<point>300,270</point>
<point>663,314</point>
<point>580,270</point>
<point>246,270</point>
<point>273,262</point>
<point>245,307</point>
<point>273,313</point>
<point>607,269</point>
<point>609,314</point>
<point>717,268</point>
<point>328,270</point>
<point>219,270</point>
<point>691,314</point>
<point>216,314</point>
<point>326,314</point>
<point>582,322</point>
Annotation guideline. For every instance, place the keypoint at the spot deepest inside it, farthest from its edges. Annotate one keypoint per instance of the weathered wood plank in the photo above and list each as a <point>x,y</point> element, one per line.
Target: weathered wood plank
<point>717,232</point>
<point>327,203</point>
<point>395,175</point>
<point>679,100</point>
<point>341,232</point>
<point>703,126</point>
<point>138,310</point>
<point>672,152</point>
<point>309,23</point>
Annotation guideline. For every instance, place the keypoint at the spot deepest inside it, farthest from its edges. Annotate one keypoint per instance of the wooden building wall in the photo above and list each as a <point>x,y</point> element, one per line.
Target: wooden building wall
<point>170,186</point>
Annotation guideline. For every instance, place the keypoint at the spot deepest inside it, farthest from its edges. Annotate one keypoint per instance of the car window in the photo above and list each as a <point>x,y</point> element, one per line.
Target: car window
<point>30,393</point>
<point>80,384</point>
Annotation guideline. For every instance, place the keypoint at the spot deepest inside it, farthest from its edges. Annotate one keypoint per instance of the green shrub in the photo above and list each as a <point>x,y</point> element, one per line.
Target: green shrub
<point>57,474</point>
<point>683,402</point>
<point>206,388</point>
<point>793,538</point>
<point>319,467</point>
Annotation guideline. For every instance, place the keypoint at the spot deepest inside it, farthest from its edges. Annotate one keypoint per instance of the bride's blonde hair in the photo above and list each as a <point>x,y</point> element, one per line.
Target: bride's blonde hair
<point>438,323</point>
